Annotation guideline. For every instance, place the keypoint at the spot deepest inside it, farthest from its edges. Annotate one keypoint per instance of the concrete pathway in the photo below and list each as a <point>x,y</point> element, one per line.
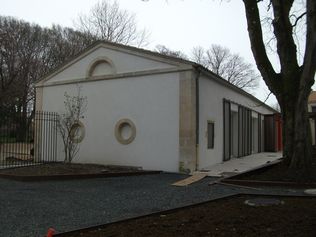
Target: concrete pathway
<point>238,165</point>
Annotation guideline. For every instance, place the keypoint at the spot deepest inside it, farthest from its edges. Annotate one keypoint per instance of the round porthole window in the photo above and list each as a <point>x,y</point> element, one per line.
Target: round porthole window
<point>77,132</point>
<point>125,131</point>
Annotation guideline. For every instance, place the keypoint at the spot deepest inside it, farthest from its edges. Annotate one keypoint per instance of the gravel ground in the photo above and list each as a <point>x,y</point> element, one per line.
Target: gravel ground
<point>29,209</point>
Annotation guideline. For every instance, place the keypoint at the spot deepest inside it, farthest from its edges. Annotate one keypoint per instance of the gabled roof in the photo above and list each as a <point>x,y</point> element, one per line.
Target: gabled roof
<point>159,57</point>
<point>121,47</point>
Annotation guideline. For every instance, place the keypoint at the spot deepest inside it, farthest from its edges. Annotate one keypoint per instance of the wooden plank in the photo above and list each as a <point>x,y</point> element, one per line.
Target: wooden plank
<point>192,179</point>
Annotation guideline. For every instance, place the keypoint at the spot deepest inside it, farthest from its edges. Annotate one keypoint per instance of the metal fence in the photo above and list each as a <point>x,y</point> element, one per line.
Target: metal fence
<point>27,138</point>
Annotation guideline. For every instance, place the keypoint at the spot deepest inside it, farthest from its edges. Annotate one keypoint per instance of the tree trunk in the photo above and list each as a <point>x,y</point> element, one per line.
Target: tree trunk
<point>297,149</point>
<point>302,154</point>
<point>293,83</point>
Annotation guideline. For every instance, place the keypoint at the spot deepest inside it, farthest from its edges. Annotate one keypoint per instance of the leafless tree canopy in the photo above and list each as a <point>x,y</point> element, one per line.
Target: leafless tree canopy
<point>173,53</point>
<point>107,21</point>
<point>221,61</point>
<point>27,52</point>
<point>231,67</point>
<point>20,55</point>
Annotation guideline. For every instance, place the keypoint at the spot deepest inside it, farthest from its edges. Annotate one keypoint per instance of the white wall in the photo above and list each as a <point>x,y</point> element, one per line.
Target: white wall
<point>123,62</point>
<point>211,95</point>
<point>151,102</point>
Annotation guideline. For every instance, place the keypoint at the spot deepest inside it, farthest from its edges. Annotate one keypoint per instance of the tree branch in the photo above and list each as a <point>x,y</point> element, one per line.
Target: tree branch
<point>298,18</point>
<point>258,47</point>
<point>309,63</point>
<point>283,32</point>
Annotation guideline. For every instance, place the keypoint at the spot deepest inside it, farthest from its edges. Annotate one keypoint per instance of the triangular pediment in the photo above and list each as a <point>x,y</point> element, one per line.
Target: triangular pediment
<point>106,59</point>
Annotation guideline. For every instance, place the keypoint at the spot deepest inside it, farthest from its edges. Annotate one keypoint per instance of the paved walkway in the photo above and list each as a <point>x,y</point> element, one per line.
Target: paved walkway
<point>238,165</point>
<point>29,209</point>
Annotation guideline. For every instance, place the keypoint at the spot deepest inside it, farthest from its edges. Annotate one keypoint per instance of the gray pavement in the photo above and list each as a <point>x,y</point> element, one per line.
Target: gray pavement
<point>28,209</point>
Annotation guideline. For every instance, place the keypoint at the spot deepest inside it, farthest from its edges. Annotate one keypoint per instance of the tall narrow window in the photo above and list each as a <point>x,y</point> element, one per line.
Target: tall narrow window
<point>227,130</point>
<point>210,135</point>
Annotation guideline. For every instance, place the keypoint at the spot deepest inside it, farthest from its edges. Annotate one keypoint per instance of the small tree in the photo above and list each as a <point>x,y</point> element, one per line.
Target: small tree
<point>69,123</point>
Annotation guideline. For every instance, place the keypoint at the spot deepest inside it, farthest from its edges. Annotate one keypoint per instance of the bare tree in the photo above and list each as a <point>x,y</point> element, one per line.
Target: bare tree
<point>231,67</point>
<point>19,50</point>
<point>198,56</point>
<point>221,61</point>
<point>27,52</point>
<point>11,40</point>
<point>292,84</point>
<point>69,123</point>
<point>169,52</point>
<point>61,44</point>
<point>107,21</point>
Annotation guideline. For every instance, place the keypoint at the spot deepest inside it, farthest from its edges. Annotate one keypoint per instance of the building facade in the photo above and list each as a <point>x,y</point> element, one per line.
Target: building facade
<point>153,111</point>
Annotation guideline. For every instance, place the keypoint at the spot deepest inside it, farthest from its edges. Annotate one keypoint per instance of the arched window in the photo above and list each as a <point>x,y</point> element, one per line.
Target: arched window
<point>101,67</point>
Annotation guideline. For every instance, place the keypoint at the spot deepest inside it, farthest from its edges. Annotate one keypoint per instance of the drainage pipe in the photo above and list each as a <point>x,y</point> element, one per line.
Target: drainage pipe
<point>197,106</point>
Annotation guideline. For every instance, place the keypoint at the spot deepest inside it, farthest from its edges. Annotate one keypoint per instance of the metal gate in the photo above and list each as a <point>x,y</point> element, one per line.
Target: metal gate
<point>27,138</point>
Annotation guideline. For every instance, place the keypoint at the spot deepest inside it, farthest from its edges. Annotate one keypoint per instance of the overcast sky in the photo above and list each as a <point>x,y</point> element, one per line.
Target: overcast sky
<point>177,24</point>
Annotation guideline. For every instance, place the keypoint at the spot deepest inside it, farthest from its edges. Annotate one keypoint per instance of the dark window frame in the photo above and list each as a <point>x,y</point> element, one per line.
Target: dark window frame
<point>210,136</point>
<point>227,119</point>
<point>245,129</point>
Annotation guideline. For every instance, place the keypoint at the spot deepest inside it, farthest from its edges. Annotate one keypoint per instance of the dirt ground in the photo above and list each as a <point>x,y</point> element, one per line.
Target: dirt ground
<point>65,169</point>
<point>227,217</point>
<point>279,172</point>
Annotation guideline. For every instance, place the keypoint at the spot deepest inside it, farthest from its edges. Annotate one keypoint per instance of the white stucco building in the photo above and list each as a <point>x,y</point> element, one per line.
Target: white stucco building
<point>150,110</point>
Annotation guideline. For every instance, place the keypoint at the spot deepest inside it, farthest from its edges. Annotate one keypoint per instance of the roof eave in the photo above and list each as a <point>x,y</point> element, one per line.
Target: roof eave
<point>224,82</point>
